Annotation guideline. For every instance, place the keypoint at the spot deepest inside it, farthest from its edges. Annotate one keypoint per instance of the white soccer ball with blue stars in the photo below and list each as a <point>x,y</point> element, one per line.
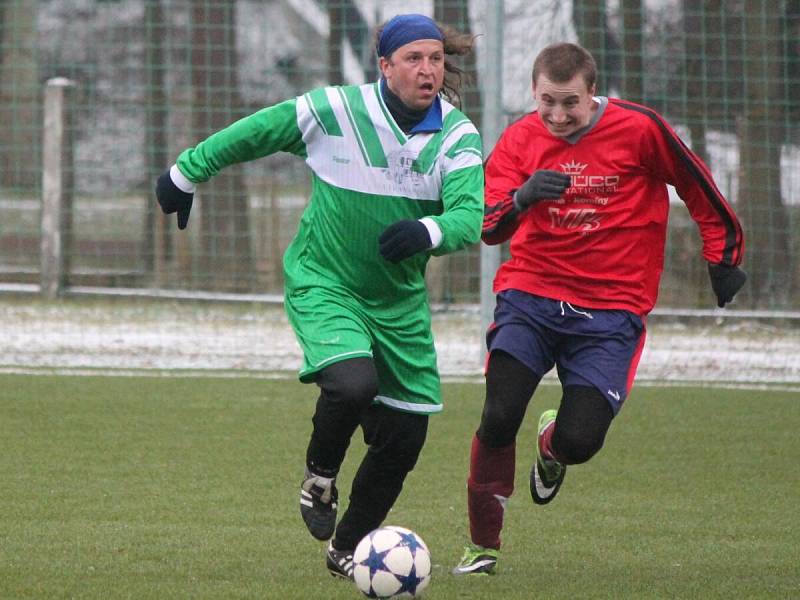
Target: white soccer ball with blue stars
<point>392,562</point>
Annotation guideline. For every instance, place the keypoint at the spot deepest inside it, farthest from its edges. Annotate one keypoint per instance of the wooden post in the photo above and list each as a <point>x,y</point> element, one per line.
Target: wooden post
<point>492,78</point>
<point>57,186</point>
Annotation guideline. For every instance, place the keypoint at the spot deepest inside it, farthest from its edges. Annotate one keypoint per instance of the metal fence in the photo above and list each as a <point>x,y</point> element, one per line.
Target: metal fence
<point>151,77</point>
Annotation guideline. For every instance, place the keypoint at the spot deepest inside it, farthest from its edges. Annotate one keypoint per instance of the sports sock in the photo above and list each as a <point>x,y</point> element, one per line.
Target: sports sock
<point>490,485</point>
<point>546,444</point>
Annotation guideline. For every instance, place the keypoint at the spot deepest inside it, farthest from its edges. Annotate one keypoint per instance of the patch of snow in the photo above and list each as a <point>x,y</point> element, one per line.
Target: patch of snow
<point>125,337</point>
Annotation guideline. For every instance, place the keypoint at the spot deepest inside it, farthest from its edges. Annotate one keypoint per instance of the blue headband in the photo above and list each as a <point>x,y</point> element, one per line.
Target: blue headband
<point>404,29</point>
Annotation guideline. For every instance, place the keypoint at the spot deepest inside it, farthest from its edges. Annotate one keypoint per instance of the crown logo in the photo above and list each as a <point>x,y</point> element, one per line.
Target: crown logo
<point>573,168</point>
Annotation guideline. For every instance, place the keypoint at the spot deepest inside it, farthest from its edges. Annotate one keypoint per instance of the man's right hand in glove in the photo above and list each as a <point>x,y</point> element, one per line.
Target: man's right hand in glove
<point>542,185</point>
<point>174,199</point>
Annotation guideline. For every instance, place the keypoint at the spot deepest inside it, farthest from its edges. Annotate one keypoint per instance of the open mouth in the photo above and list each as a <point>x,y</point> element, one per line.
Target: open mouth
<point>428,87</point>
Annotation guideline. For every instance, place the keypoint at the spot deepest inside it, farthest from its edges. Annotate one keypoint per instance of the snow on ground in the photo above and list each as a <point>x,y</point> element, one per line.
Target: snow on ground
<point>255,340</point>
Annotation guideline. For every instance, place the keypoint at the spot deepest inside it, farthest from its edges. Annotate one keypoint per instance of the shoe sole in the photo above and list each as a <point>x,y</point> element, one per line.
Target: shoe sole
<point>485,567</point>
<point>540,493</point>
<point>338,575</point>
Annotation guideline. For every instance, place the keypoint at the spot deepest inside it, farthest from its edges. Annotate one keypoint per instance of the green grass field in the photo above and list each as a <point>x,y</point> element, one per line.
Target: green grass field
<point>114,487</point>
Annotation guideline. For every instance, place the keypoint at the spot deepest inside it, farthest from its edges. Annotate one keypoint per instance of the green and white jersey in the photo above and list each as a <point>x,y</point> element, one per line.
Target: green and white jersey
<point>367,174</point>
<point>342,298</point>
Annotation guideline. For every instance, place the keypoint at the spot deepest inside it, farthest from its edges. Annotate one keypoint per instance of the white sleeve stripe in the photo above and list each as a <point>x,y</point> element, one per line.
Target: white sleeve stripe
<point>180,180</point>
<point>455,135</point>
<point>462,160</point>
<point>433,231</point>
<point>456,125</point>
<point>461,128</point>
<point>470,150</point>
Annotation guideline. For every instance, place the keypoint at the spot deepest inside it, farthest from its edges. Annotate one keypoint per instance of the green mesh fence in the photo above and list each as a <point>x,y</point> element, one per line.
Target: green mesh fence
<point>155,76</point>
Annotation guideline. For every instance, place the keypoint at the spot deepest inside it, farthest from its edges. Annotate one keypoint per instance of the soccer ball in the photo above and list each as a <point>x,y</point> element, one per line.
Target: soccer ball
<point>392,562</point>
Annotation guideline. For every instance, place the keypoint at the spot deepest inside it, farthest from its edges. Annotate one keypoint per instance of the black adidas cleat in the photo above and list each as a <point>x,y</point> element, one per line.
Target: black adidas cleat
<point>318,504</point>
<point>339,562</point>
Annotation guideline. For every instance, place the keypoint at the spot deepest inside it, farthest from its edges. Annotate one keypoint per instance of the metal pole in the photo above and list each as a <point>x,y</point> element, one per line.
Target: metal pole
<point>57,179</point>
<point>492,77</point>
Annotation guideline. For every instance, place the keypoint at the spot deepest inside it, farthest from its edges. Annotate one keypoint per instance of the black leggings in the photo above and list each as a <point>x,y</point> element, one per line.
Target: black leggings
<point>347,389</point>
<point>394,441</point>
<point>583,417</point>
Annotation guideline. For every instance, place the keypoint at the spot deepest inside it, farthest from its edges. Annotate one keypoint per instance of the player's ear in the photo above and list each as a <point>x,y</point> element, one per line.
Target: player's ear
<point>383,65</point>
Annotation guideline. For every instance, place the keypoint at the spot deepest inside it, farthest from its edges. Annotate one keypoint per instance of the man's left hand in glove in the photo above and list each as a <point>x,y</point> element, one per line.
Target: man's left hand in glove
<point>725,281</point>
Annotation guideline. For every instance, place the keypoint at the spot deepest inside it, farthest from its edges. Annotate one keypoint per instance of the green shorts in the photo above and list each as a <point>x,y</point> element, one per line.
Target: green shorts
<point>331,326</point>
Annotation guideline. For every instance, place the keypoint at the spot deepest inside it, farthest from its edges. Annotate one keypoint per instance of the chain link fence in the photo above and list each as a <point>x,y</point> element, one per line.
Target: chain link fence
<point>147,78</point>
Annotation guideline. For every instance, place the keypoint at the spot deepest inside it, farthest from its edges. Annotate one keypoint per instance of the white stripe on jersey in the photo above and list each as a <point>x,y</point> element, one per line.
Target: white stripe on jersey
<point>340,161</point>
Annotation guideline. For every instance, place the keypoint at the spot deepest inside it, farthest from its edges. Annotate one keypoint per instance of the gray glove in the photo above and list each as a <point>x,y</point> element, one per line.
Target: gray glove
<point>542,185</point>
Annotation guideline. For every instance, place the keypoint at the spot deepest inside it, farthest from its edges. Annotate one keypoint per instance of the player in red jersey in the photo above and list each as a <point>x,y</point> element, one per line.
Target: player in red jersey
<point>579,186</point>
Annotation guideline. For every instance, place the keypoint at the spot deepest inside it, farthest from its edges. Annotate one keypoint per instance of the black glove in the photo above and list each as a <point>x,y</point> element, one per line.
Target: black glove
<point>403,239</point>
<point>173,199</point>
<point>726,281</point>
<point>542,185</point>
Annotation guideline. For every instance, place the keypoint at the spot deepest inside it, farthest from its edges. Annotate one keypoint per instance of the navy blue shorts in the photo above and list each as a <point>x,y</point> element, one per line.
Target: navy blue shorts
<point>598,348</point>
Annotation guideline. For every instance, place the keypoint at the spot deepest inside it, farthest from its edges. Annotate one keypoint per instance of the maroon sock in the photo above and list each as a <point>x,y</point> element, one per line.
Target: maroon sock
<point>490,484</point>
<point>546,444</point>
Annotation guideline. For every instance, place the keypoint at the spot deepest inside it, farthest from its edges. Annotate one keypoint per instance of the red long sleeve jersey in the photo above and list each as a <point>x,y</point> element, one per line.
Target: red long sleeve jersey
<point>601,245</point>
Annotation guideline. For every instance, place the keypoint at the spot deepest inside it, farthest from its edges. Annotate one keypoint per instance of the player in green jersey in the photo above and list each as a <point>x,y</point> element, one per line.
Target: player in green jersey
<point>397,177</point>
